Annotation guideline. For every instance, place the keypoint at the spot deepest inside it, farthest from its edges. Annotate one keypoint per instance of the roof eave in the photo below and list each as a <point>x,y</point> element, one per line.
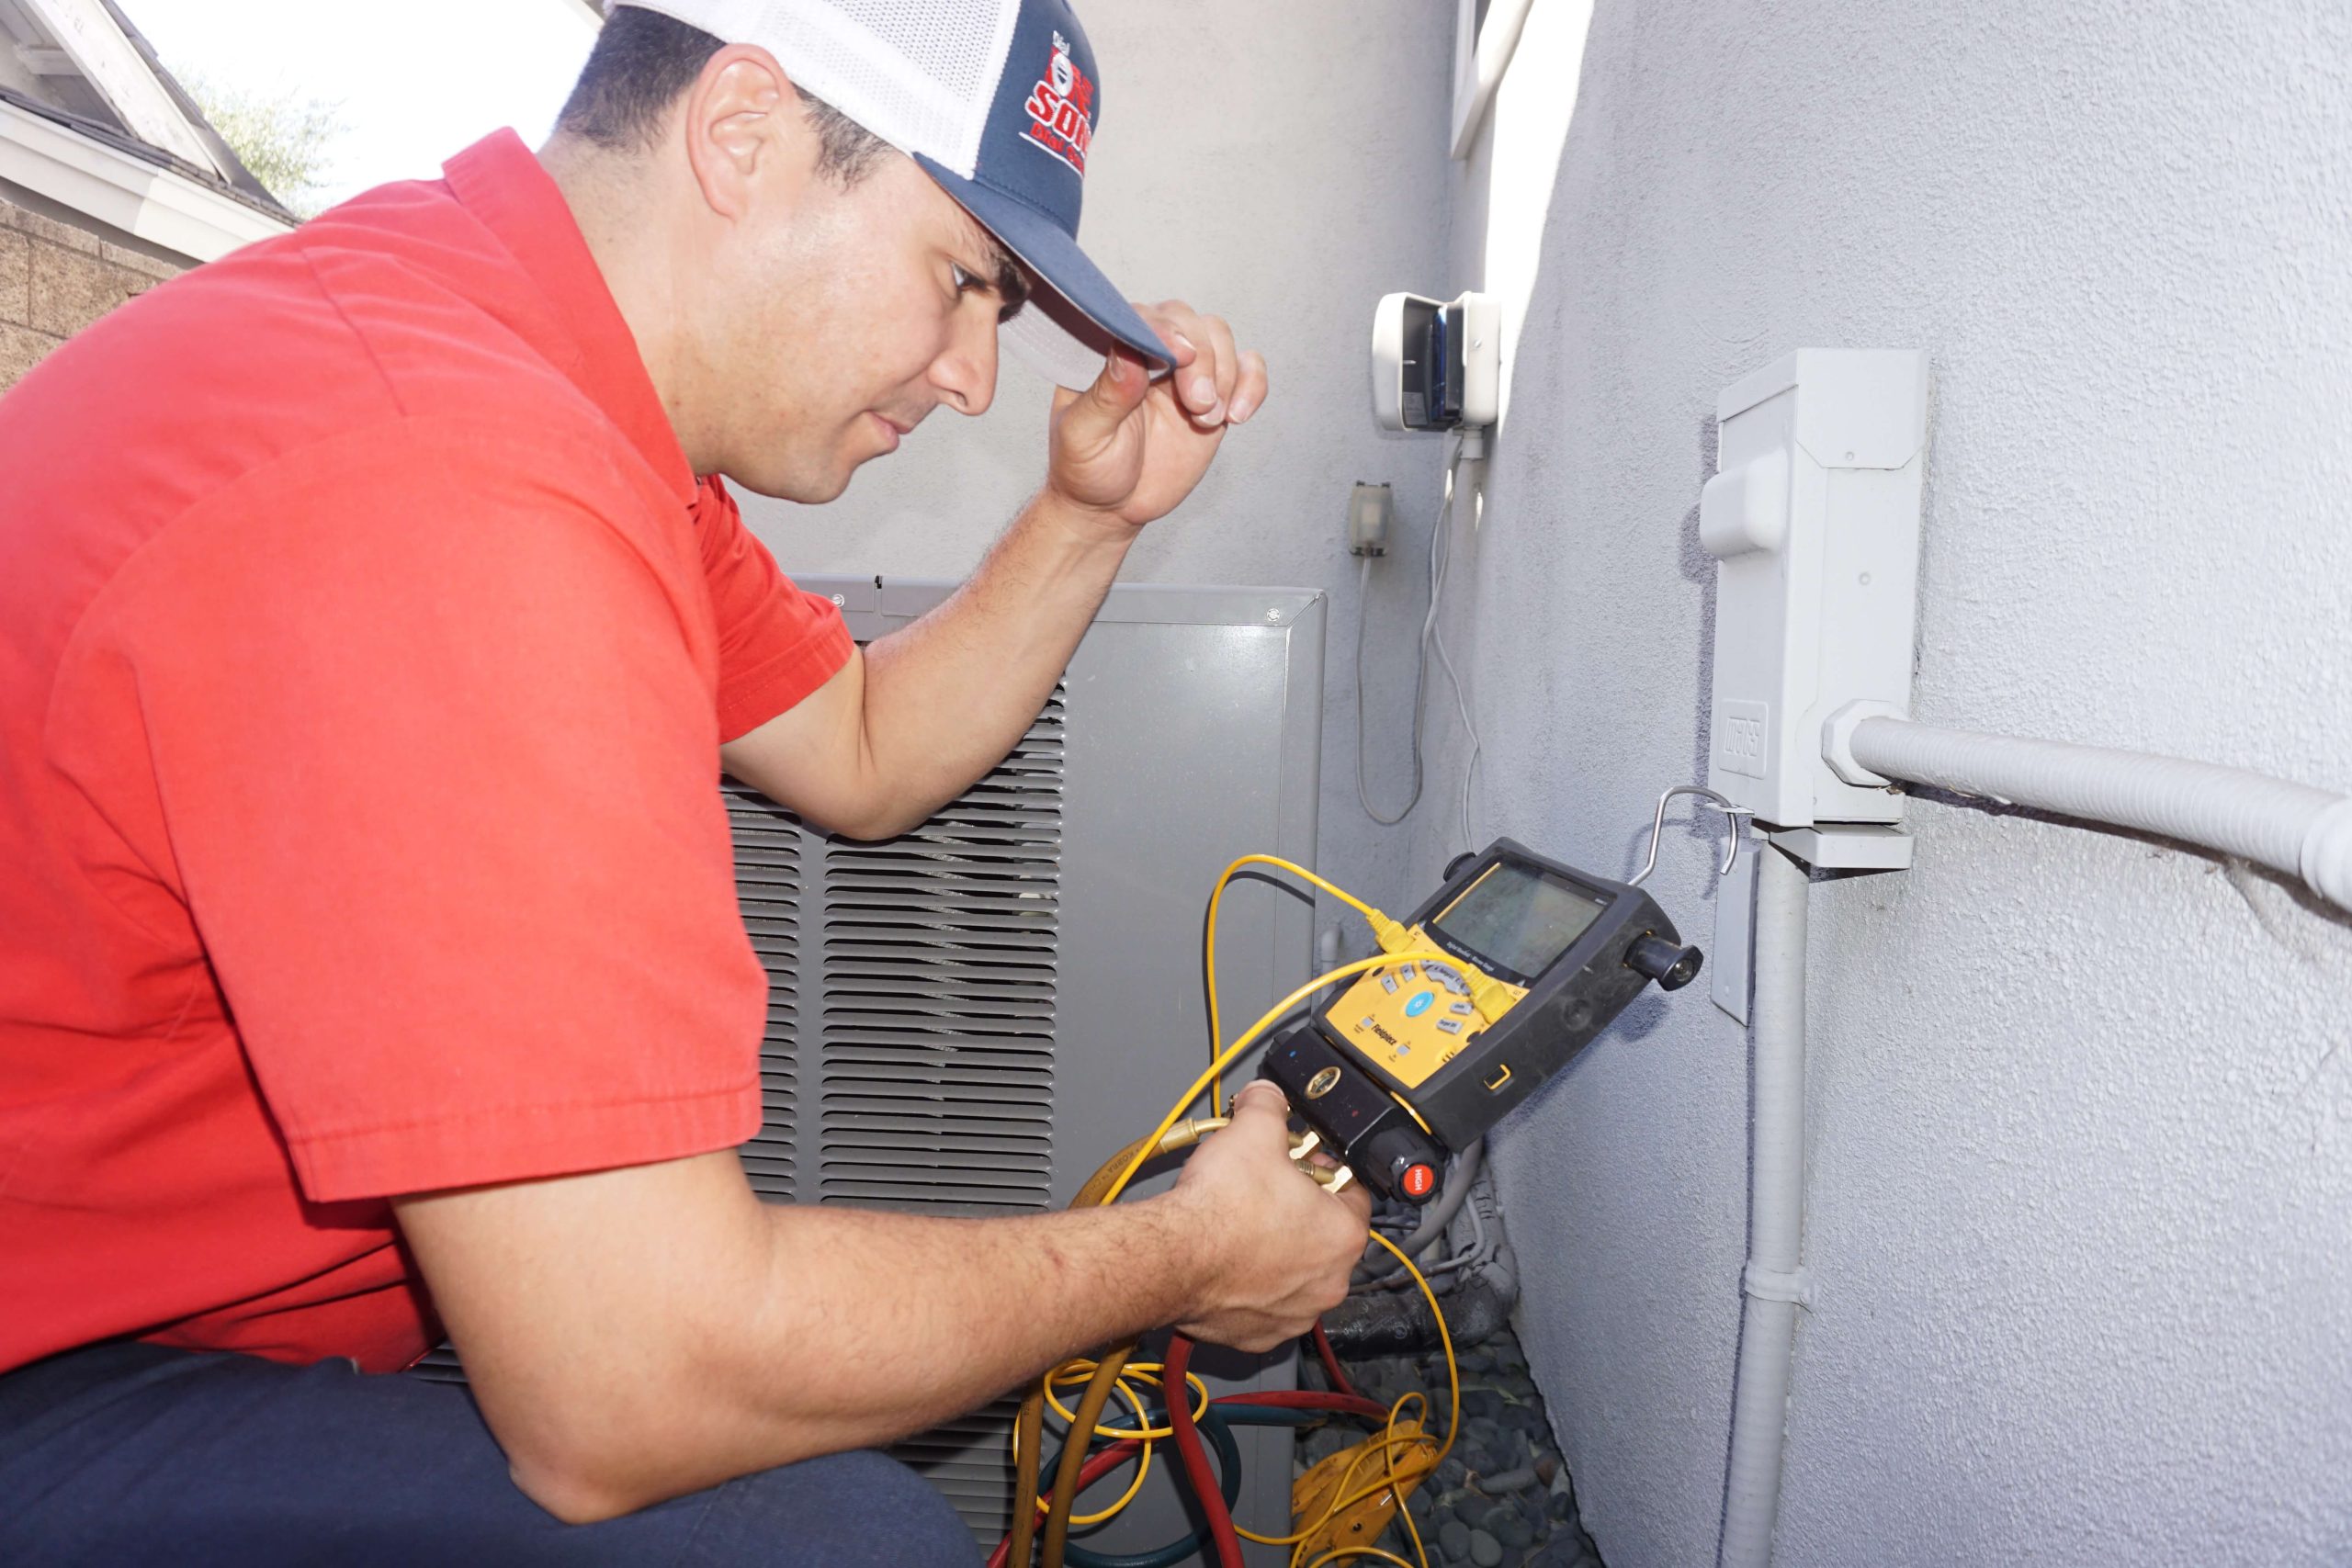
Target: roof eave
<point>146,197</point>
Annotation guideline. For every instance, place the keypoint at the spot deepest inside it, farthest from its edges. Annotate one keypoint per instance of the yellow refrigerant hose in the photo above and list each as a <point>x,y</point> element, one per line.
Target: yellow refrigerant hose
<point>1107,1374</point>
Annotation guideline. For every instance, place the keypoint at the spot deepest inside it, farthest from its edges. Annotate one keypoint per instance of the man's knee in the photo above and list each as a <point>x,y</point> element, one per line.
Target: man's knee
<point>849,1510</point>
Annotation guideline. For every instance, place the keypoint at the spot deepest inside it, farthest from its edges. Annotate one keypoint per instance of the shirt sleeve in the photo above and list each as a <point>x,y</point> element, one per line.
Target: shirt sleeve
<point>776,644</point>
<point>432,728</point>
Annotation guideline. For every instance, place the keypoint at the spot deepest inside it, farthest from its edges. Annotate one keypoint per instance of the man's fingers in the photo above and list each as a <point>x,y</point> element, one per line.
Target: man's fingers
<point>1180,348</point>
<point>1260,1102</point>
<point>1178,327</point>
<point>1201,382</point>
<point>1215,382</point>
<point>1229,359</point>
<point>1198,389</point>
<point>1261,1114</point>
<point>1248,388</point>
<point>1257,1097</point>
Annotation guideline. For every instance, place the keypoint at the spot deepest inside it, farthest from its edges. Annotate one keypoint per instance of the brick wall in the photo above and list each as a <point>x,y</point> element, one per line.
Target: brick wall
<point>54,280</point>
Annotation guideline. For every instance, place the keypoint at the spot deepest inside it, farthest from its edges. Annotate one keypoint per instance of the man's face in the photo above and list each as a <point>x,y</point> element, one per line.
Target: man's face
<point>840,324</point>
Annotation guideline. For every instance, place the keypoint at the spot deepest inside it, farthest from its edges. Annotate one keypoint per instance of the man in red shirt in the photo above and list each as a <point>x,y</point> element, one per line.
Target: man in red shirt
<point>369,949</point>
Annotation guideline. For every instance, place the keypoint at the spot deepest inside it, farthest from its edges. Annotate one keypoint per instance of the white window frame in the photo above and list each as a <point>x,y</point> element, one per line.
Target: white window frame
<point>1481,53</point>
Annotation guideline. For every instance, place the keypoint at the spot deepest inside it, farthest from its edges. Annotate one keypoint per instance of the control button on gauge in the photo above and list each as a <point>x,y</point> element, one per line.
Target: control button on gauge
<point>1451,1025</point>
<point>1389,984</point>
<point>1463,1009</point>
<point>1408,972</point>
<point>1422,1002</point>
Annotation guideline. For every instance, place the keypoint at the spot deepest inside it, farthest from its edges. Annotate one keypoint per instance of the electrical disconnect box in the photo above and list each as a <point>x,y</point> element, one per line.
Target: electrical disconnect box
<point>1814,521</point>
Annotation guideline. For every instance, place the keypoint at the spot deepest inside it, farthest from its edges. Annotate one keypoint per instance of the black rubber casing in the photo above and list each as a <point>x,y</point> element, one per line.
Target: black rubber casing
<point>1565,1007</point>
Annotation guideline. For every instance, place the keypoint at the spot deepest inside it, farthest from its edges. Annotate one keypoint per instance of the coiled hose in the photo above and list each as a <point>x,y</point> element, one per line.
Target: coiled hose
<point>1029,1424</point>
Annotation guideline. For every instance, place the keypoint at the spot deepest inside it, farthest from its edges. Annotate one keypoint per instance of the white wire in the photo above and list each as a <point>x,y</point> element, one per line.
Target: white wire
<point>1440,554</point>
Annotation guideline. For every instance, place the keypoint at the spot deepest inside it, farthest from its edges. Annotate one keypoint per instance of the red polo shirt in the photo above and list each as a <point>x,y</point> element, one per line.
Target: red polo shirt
<point>366,647</point>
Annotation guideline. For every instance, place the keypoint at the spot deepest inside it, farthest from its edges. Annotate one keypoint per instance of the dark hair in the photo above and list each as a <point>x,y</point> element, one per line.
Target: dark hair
<point>642,63</point>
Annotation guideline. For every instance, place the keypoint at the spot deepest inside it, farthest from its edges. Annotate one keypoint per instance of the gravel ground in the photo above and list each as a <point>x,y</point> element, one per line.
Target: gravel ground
<point>1524,1513</point>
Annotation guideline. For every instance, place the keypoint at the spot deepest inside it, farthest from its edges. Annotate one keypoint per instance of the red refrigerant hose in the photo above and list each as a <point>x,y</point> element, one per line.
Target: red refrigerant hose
<point>1197,1458</point>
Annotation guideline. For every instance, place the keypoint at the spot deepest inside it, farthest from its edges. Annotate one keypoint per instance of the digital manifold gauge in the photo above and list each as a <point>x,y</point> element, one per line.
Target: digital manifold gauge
<point>1416,1058</point>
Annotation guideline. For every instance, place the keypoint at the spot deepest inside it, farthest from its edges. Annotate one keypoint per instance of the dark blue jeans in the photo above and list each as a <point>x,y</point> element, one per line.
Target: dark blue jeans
<point>124,1453</point>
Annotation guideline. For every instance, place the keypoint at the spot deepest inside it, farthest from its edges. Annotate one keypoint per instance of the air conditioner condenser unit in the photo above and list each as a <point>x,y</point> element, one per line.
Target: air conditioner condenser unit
<point>970,1019</point>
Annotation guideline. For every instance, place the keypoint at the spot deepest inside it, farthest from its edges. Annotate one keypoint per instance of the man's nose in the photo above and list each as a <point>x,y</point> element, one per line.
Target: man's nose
<point>965,372</point>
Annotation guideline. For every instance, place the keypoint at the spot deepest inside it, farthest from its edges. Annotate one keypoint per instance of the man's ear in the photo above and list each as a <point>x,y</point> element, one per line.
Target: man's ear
<point>744,130</point>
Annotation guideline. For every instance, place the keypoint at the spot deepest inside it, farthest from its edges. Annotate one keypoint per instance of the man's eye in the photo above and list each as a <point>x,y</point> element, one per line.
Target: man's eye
<point>964,282</point>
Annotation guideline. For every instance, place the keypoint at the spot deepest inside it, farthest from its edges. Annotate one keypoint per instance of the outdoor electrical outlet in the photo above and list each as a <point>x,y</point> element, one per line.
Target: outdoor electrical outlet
<point>1371,511</point>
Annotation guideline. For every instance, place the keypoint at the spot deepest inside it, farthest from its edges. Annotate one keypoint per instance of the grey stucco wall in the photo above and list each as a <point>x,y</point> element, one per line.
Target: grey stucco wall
<point>1284,166</point>
<point>2080,1173</point>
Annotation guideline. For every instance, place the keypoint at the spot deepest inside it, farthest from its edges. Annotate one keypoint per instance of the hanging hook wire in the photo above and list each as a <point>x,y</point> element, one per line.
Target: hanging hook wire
<point>1738,815</point>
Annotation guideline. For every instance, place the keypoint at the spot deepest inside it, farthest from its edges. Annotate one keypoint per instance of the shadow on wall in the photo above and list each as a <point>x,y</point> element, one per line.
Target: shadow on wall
<point>1586,609</point>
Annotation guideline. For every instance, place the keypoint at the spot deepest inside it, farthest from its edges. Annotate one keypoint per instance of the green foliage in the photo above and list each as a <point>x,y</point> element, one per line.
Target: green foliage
<point>287,140</point>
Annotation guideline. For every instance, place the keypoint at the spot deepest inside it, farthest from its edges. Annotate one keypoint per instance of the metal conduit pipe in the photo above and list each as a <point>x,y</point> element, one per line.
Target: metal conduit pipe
<point>1774,1282</point>
<point>2303,832</point>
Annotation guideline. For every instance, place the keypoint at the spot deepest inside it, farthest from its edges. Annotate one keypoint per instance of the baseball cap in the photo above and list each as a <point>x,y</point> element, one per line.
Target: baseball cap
<point>997,100</point>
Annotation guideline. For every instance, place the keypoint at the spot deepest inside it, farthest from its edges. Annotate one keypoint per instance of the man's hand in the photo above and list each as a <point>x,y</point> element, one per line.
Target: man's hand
<point>1278,1246</point>
<point>1130,448</point>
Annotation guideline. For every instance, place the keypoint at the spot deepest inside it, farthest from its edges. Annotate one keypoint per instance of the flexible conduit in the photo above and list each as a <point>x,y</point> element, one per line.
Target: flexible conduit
<point>1774,1282</point>
<point>2306,833</point>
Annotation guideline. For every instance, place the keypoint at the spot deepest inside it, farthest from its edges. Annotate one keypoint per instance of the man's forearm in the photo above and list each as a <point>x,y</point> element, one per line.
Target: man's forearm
<point>639,1333</point>
<point>958,1310</point>
<point>948,696</point>
<point>867,1327</point>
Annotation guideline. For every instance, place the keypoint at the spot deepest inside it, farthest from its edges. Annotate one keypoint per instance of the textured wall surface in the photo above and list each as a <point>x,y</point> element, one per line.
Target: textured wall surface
<point>55,279</point>
<point>2080,1113</point>
<point>1282,166</point>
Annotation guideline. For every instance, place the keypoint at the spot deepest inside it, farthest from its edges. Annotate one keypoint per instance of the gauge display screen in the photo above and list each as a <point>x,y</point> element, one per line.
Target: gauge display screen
<point>1519,918</point>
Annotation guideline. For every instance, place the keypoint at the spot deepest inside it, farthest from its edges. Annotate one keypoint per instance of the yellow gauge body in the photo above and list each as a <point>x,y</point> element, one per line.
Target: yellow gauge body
<point>1410,1019</point>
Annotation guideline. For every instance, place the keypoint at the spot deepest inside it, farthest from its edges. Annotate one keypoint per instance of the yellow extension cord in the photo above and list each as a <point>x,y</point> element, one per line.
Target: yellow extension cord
<point>1392,937</point>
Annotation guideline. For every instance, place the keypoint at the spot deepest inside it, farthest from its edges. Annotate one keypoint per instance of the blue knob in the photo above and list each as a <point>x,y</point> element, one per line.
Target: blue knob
<point>1422,1002</point>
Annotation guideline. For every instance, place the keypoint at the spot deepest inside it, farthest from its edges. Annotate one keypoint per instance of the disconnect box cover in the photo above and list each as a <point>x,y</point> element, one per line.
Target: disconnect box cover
<point>1813,520</point>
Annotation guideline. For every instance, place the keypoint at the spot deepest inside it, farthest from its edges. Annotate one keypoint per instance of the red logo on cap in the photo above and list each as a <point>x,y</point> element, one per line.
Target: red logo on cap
<point>1061,109</point>
<point>1418,1180</point>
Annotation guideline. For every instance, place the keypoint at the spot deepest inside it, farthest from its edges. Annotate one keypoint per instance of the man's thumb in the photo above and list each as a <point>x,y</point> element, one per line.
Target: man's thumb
<point>1259,1098</point>
<point>1117,393</point>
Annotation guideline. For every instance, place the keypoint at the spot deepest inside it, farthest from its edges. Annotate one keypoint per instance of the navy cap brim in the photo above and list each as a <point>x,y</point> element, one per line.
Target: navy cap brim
<point>1068,326</point>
